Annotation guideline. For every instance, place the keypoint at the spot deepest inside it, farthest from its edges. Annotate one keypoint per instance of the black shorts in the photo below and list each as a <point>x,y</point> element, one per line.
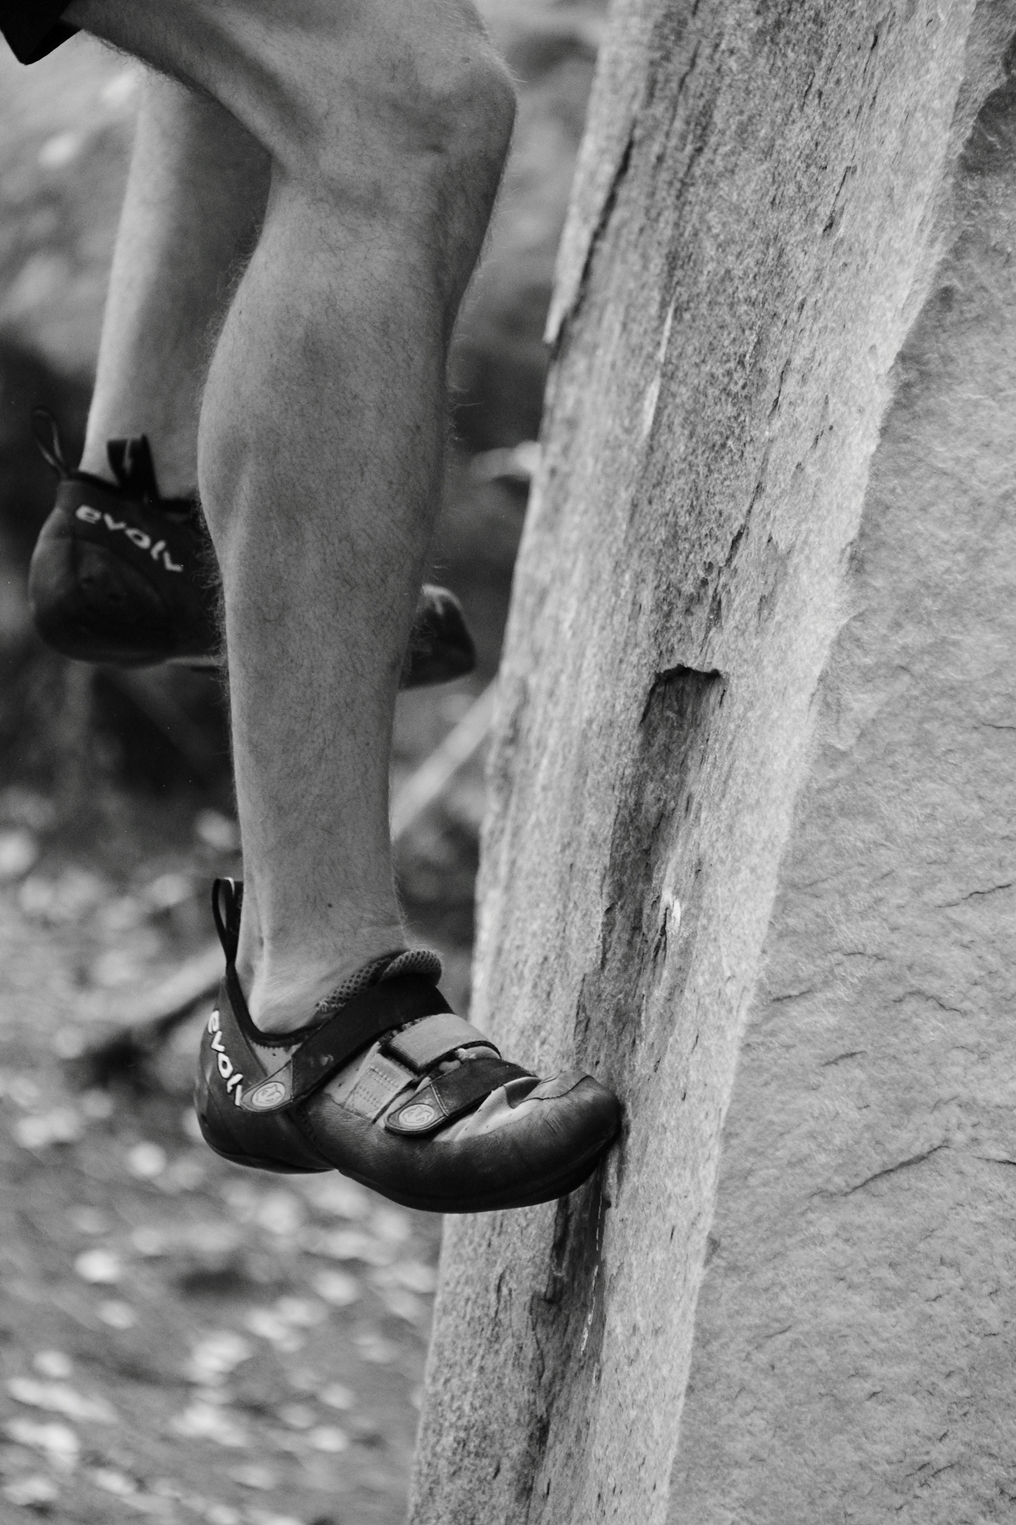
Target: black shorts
<point>33,27</point>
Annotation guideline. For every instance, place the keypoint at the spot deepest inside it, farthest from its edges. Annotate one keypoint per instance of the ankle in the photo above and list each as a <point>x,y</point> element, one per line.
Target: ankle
<point>94,463</point>
<point>283,992</point>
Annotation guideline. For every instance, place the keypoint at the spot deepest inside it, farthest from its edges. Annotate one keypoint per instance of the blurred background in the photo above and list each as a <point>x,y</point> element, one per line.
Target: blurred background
<point>179,1338</point>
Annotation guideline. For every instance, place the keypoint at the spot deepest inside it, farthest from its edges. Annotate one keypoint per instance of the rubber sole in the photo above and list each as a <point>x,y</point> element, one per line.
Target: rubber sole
<point>560,1185</point>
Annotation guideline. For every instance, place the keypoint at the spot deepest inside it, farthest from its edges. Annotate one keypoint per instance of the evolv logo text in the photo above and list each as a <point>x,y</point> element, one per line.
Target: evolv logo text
<point>137,537</point>
<point>230,1075</point>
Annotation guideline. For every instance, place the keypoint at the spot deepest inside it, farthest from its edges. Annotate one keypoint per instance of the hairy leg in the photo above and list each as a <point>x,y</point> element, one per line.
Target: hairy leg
<point>193,205</point>
<point>323,424</point>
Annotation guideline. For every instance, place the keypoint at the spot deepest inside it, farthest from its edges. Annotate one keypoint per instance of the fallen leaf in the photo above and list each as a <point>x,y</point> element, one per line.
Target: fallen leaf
<point>391,1224</point>
<point>117,1315</point>
<point>280,1212</point>
<point>267,1324</point>
<point>223,1514</point>
<point>301,1311</point>
<point>61,1398</point>
<point>298,1416</point>
<point>26,1492</point>
<point>217,830</point>
<point>149,1241</point>
<point>60,1126</point>
<point>414,1275</point>
<point>375,1348</point>
<point>405,1305</point>
<point>114,1482</point>
<point>216,1355</point>
<point>206,1421</point>
<point>336,1287</point>
<point>101,1267</point>
<point>58,1441</point>
<point>255,1476</point>
<point>328,1437</point>
<point>18,851</point>
<point>349,1244</point>
<point>53,1363</point>
<point>90,1220</point>
<point>337,1396</point>
<point>169,890</point>
<point>146,1160</point>
<point>336,1195</point>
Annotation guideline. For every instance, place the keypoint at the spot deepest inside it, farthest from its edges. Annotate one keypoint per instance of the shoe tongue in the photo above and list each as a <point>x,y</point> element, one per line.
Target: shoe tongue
<point>388,967</point>
<point>131,463</point>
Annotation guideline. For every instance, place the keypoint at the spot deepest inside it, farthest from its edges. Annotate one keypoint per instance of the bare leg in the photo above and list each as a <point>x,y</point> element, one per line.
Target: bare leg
<point>387,125</point>
<point>194,202</point>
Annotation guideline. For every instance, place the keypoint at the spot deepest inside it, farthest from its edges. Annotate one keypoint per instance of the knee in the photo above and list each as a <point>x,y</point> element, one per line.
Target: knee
<point>407,100</point>
<point>332,86</point>
<point>433,122</point>
<point>459,106</point>
<point>459,127</point>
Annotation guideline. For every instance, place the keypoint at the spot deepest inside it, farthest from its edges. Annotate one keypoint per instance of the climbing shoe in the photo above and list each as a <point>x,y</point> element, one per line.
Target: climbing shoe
<point>122,575</point>
<point>388,1086</point>
<point>119,574</point>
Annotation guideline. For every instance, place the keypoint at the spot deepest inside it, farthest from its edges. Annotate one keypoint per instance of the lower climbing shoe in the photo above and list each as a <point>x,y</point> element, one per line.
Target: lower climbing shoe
<point>122,575</point>
<point>389,1087</point>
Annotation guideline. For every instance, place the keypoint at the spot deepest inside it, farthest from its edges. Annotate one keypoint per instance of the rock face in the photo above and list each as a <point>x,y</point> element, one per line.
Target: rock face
<point>855,1341</point>
<point>761,654</point>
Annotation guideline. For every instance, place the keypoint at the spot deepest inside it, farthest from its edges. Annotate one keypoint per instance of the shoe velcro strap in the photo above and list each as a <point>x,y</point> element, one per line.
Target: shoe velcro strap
<point>425,1043</point>
<point>363,1020</point>
<point>451,1096</point>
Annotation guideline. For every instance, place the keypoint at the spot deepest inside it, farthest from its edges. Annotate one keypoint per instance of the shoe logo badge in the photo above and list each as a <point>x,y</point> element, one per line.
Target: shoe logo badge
<point>137,537</point>
<point>270,1094</point>
<point>227,1070</point>
<point>416,1115</point>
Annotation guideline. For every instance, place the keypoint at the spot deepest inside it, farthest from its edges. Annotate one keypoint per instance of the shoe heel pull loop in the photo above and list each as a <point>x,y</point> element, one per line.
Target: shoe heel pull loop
<point>227,903</point>
<point>46,434</point>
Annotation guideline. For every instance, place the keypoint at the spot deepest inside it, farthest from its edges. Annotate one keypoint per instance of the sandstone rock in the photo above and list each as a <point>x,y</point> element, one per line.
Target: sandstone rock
<point>855,1345</point>
<point>734,677</point>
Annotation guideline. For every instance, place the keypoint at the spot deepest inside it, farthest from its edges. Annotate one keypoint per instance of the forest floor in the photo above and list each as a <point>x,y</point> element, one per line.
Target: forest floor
<point>179,1338</point>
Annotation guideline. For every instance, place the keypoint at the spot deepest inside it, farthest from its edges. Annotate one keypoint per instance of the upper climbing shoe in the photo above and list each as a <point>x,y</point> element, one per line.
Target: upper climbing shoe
<point>122,575</point>
<point>119,574</point>
<point>389,1087</point>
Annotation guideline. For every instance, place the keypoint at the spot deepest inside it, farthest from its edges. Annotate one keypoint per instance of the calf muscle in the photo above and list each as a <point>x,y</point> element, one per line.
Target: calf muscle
<point>323,422</point>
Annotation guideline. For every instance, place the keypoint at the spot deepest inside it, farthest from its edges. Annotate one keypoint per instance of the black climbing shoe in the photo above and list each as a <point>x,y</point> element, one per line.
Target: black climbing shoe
<point>391,1088</point>
<point>119,574</point>
<point>124,576</point>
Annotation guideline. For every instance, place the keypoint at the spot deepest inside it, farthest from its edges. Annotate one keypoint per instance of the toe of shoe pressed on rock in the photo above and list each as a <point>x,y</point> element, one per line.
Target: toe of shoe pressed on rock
<point>398,1093</point>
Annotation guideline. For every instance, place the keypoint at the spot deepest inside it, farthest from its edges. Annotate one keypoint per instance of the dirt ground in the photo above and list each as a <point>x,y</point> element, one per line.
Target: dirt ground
<point>179,1338</point>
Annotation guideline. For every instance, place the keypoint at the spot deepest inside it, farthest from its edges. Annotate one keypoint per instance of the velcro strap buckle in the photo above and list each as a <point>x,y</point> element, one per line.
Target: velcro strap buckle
<point>451,1096</point>
<point>425,1043</point>
<point>363,1020</point>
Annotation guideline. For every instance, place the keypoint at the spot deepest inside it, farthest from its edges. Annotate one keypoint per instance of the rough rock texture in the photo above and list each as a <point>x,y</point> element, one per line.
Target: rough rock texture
<point>856,1340</point>
<point>765,198</point>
